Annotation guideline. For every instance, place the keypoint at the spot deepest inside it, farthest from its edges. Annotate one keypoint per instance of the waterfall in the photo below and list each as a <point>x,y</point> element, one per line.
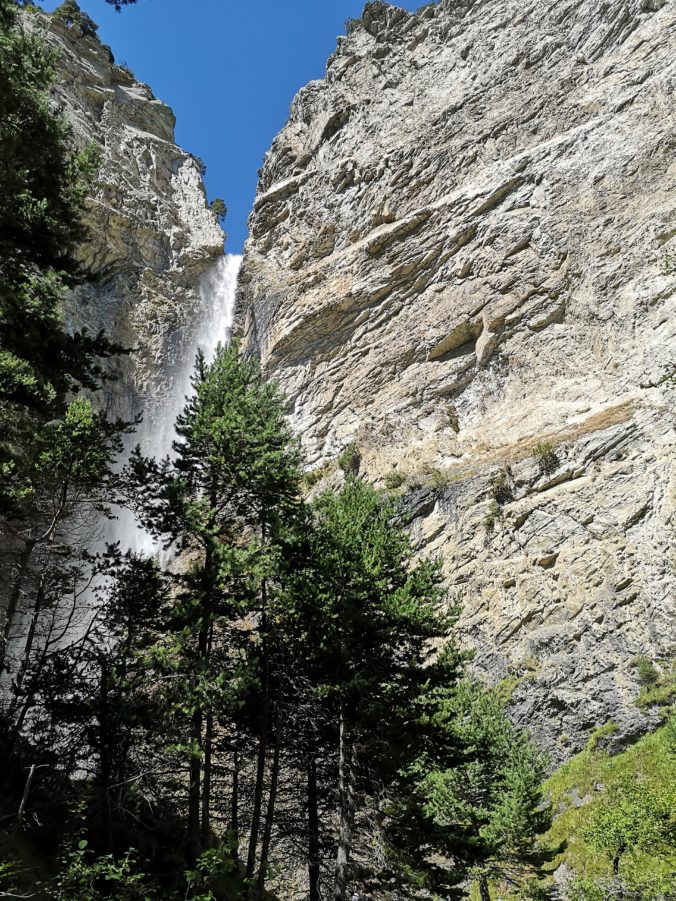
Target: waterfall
<point>157,431</point>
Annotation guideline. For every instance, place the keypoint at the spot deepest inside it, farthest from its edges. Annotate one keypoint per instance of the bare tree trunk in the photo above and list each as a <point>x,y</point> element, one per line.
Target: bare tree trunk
<point>484,892</point>
<point>194,789</point>
<point>260,768</point>
<point>106,740</point>
<point>208,745</point>
<point>14,596</point>
<point>206,780</point>
<point>346,807</point>
<point>313,829</point>
<point>272,800</point>
<point>234,804</point>
<point>24,798</point>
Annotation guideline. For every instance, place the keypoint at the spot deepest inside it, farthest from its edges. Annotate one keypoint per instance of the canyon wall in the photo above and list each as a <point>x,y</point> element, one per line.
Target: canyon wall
<point>462,263</point>
<point>151,232</point>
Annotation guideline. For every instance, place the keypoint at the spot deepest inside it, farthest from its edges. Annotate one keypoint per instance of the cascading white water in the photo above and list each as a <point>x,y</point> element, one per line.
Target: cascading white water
<point>157,431</point>
<point>217,288</point>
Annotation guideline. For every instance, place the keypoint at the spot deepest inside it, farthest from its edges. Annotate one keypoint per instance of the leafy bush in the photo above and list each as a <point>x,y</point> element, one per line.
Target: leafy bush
<point>349,459</point>
<point>87,877</point>
<point>546,457</point>
<point>502,486</point>
<point>646,673</point>
<point>491,518</point>
<point>313,476</point>
<point>657,690</point>
<point>70,13</point>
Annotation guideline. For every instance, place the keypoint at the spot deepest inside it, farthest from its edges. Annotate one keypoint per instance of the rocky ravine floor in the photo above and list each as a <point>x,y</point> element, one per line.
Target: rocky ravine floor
<point>462,260</point>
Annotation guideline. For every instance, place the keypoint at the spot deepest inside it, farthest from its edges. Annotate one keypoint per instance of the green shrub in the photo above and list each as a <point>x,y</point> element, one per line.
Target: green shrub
<point>394,479</point>
<point>70,13</point>
<point>126,68</point>
<point>657,689</point>
<point>546,457</point>
<point>502,487</point>
<point>646,673</point>
<point>491,518</point>
<point>349,459</point>
<point>87,877</point>
<point>313,476</point>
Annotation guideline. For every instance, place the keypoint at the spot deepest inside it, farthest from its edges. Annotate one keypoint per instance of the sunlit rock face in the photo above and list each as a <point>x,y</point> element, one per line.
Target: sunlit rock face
<point>151,233</point>
<point>462,259</point>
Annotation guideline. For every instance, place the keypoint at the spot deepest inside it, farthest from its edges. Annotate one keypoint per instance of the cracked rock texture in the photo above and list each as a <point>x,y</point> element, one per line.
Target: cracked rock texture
<point>151,232</point>
<point>462,260</point>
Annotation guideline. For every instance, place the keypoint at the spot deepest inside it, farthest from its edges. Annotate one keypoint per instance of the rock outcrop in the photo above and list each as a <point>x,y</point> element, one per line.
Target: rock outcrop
<point>151,232</point>
<point>462,261</point>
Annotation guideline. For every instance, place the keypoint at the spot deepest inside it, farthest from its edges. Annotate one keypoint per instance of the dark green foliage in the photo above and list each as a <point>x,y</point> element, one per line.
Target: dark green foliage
<point>646,673</point>
<point>349,459</point>
<point>476,791</point>
<point>502,485</point>
<point>42,189</point>
<point>219,209</point>
<point>546,457</point>
<point>70,13</point>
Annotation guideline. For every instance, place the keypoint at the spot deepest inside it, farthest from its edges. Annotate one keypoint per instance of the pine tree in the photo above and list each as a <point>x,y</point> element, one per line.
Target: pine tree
<point>222,503</point>
<point>376,615</point>
<point>476,792</point>
<point>43,185</point>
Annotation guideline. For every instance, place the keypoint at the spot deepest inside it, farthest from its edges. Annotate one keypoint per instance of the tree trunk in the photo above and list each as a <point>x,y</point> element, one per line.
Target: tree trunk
<point>194,793</point>
<point>272,800</point>
<point>234,805</point>
<point>313,830</point>
<point>206,645</point>
<point>260,770</point>
<point>24,798</point>
<point>483,889</point>
<point>206,780</point>
<point>106,740</point>
<point>14,596</point>
<point>346,807</point>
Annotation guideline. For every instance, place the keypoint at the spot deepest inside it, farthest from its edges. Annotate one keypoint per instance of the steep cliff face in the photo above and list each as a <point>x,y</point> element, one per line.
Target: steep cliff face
<point>462,260</point>
<point>151,233</point>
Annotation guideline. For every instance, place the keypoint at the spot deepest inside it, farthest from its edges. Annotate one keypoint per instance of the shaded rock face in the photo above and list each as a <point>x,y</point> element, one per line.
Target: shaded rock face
<point>151,233</point>
<point>462,259</point>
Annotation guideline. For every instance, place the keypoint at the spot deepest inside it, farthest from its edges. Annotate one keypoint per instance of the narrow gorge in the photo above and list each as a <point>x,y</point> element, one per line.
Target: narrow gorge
<point>341,566</point>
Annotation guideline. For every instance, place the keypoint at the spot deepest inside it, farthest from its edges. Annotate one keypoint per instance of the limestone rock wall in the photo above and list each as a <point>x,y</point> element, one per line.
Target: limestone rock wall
<point>151,233</point>
<point>462,260</point>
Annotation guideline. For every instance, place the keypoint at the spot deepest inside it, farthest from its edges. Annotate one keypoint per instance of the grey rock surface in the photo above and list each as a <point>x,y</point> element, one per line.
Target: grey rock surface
<point>462,259</point>
<point>151,232</point>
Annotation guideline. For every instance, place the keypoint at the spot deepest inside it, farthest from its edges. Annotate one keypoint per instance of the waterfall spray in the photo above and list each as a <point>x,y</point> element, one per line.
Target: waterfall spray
<point>157,431</point>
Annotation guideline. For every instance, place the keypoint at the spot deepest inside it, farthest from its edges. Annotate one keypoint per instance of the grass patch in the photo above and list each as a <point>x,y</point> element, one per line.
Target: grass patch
<point>582,784</point>
<point>394,479</point>
<point>657,689</point>
<point>313,476</point>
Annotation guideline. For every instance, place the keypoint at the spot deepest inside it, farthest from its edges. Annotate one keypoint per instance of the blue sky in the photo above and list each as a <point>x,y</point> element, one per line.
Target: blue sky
<point>229,69</point>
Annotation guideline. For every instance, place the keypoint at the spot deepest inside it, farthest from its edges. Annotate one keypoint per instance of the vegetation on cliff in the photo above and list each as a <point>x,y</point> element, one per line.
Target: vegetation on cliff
<point>273,701</point>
